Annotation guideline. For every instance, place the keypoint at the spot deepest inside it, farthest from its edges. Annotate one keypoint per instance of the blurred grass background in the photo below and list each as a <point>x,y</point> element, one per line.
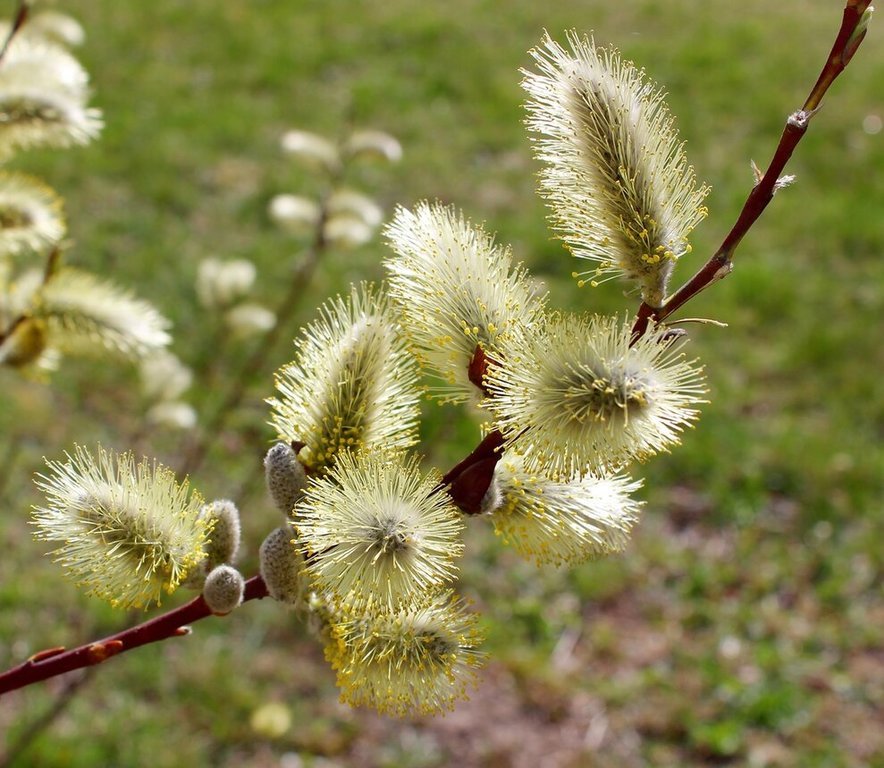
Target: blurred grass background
<point>743,626</point>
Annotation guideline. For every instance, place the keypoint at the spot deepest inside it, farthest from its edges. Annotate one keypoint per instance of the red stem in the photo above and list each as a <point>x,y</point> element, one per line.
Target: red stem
<point>721,263</point>
<point>57,661</point>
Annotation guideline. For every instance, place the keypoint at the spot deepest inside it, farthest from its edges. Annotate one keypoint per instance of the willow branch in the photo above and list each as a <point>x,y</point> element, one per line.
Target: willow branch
<point>57,661</point>
<point>850,35</point>
<point>466,483</point>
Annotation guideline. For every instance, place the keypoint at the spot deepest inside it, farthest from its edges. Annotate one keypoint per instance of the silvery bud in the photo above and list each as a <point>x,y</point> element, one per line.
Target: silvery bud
<point>285,477</point>
<point>222,543</point>
<point>294,213</point>
<point>282,566</point>
<point>223,590</point>
<point>379,144</point>
<point>312,149</point>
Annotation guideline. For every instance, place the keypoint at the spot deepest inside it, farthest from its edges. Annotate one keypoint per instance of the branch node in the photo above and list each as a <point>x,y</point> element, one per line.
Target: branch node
<point>47,653</point>
<point>723,271</point>
<point>799,119</point>
<point>98,652</point>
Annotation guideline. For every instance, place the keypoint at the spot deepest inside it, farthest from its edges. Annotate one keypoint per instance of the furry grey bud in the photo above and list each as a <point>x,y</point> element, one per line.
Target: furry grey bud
<point>222,543</point>
<point>282,567</point>
<point>285,477</point>
<point>223,589</point>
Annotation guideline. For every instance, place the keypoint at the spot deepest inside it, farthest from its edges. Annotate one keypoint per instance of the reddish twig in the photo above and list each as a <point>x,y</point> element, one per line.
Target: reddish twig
<point>56,661</point>
<point>849,37</point>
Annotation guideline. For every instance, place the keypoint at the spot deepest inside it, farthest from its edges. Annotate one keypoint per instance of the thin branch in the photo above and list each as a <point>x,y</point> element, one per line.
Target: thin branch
<point>850,35</point>
<point>57,661</point>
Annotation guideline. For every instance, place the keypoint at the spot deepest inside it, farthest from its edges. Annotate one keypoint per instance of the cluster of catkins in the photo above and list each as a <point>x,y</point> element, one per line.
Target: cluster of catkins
<point>370,542</point>
<point>47,308</point>
<point>573,398</point>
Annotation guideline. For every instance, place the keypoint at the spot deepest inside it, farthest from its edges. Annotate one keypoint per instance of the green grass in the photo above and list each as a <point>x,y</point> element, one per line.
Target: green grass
<point>742,627</point>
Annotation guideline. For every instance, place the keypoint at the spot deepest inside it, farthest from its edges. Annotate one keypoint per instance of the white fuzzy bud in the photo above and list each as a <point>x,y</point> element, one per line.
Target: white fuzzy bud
<point>457,290</point>
<point>89,315</point>
<point>221,283</point>
<point>347,231</point>
<point>281,567</point>
<point>127,532</point>
<point>223,589</point>
<point>312,149</point>
<point>175,414</point>
<point>57,27</point>
<point>616,176</point>
<point>374,144</point>
<point>348,202</point>
<point>249,319</point>
<point>31,215</point>
<point>163,376</point>
<point>43,97</point>
<point>352,385</point>
<point>295,214</point>
<point>285,477</point>
<point>374,530</point>
<point>223,543</point>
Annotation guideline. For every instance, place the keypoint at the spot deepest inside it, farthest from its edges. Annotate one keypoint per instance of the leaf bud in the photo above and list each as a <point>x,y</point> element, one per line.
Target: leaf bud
<point>285,477</point>
<point>223,590</point>
<point>222,544</point>
<point>347,231</point>
<point>312,149</point>
<point>281,567</point>
<point>369,143</point>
